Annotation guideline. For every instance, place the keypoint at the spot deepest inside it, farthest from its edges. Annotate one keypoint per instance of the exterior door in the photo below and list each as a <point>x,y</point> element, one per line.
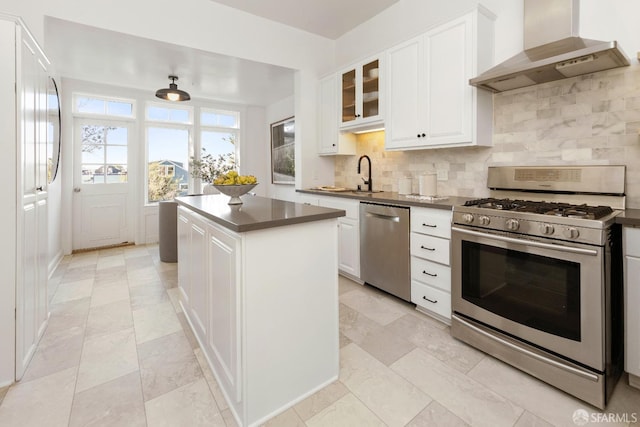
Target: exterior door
<point>103,194</point>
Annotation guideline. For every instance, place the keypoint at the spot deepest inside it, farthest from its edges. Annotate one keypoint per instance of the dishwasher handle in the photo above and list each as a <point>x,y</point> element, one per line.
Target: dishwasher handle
<point>394,218</point>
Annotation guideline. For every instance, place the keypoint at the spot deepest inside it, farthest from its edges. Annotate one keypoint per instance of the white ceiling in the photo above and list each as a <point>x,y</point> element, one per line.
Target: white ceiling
<point>327,18</point>
<point>96,55</point>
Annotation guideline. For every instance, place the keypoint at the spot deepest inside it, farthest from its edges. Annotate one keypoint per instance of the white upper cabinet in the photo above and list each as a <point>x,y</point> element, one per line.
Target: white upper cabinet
<point>330,141</point>
<point>430,103</point>
<point>361,95</point>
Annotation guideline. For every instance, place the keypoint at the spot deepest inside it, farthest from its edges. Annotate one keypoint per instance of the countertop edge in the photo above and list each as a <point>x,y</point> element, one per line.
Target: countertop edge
<point>391,198</point>
<point>261,225</point>
<point>629,217</point>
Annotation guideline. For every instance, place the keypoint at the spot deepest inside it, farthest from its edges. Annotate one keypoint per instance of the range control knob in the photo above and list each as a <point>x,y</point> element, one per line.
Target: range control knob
<point>571,233</point>
<point>546,229</point>
<point>484,220</point>
<point>512,224</point>
<point>468,218</point>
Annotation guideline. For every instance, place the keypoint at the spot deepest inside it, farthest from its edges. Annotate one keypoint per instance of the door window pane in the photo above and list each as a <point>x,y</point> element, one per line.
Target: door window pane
<point>167,168</point>
<point>104,154</point>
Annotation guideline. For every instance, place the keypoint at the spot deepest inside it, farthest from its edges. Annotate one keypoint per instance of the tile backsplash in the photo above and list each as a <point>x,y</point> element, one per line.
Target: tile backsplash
<point>591,119</point>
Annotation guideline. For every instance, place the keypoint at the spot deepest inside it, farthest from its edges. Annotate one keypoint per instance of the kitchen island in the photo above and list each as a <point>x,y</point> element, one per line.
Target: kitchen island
<point>258,284</point>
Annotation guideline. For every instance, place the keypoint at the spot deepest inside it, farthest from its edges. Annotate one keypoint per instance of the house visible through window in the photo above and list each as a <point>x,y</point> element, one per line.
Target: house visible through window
<point>171,137</point>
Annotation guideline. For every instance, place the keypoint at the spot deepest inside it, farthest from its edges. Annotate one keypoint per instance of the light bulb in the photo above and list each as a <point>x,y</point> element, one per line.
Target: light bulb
<point>173,96</point>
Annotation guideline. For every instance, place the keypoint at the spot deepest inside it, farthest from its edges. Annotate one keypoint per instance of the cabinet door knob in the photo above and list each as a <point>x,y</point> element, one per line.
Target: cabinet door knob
<point>333,145</point>
<point>423,135</point>
<point>428,249</point>
<point>434,301</point>
<point>429,274</point>
<point>418,135</point>
<point>39,188</point>
<point>76,190</point>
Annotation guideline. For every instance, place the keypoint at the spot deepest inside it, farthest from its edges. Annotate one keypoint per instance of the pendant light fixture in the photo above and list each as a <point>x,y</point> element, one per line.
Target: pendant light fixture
<point>173,93</point>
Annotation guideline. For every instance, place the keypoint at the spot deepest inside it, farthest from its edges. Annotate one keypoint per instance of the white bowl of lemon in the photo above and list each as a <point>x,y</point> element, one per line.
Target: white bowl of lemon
<point>234,185</point>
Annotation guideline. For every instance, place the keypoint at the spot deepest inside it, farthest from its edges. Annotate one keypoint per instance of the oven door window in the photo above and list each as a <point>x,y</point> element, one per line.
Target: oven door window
<point>537,291</point>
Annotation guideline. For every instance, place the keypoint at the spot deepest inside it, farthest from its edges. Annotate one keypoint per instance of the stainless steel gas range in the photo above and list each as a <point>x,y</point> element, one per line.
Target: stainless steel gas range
<point>536,274</point>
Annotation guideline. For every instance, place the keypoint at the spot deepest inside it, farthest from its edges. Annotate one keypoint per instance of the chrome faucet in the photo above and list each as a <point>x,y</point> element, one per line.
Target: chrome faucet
<point>368,182</point>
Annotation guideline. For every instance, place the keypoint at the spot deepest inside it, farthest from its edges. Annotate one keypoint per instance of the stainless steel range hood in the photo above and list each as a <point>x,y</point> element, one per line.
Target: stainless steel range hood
<point>552,49</point>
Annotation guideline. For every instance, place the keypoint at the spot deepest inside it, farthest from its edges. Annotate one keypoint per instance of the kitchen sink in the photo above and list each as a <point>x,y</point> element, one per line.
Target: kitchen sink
<point>366,191</point>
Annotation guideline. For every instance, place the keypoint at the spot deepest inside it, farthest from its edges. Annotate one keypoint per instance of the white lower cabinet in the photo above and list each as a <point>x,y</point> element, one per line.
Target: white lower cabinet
<point>631,238</point>
<point>430,262</point>
<point>348,234</point>
<point>263,305</point>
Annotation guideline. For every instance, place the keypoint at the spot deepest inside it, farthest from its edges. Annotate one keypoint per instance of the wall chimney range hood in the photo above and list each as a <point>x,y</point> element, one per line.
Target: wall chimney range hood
<point>553,50</point>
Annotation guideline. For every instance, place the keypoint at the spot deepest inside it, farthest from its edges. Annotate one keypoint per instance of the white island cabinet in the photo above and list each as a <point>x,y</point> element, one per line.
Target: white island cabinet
<point>631,237</point>
<point>259,287</point>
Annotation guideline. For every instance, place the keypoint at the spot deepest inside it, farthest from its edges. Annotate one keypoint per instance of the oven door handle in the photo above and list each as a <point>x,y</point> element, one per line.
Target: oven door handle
<point>582,373</point>
<point>533,243</point>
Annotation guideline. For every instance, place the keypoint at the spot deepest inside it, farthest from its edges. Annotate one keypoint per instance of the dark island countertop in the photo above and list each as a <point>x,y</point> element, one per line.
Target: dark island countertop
<point>629,217</point>
<point>393,198</point>
<point>255,213</point>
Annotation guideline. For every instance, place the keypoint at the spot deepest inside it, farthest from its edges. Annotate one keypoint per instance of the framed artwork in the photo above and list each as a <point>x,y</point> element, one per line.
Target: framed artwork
<point>283,152</point>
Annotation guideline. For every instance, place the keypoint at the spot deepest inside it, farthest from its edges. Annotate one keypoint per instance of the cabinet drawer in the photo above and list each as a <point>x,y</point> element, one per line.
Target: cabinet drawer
<point>431,299</point>
<point>632,241</point>
<point>431,248</point>
<point>434,222</point>
<point>431,273</point>
<point>351,207</point>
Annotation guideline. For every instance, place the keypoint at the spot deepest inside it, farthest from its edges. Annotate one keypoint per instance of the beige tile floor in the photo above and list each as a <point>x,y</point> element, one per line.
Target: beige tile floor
<point>118,352</point>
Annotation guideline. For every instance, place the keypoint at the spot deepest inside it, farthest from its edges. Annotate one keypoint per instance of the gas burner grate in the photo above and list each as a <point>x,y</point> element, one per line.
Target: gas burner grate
<point>544,208</point>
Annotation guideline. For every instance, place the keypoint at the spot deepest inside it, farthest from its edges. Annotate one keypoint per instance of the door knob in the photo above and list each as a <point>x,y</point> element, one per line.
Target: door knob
<point>76,190</point>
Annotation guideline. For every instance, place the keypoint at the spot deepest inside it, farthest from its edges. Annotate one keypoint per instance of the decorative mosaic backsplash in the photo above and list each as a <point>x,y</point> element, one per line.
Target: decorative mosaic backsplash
<point>592,119</point>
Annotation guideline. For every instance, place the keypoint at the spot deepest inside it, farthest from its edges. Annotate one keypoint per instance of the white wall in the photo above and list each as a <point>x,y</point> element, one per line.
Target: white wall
<point>409,18</point>
<point>255,148</point>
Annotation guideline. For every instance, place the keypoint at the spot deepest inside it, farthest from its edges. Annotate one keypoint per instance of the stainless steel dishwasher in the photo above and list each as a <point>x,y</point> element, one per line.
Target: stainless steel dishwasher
<point>384,248</point>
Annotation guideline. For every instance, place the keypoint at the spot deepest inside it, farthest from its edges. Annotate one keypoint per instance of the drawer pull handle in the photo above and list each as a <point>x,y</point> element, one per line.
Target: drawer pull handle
<point>429,249</point>
<point>429,274</point>
<point>429,225</point>
<point>430,300</point>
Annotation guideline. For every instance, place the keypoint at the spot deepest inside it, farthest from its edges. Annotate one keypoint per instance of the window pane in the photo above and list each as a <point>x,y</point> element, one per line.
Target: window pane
<point>219,151</point>
<point>90,105</point>
<point>179,116</point>
<point>120,108</point>
<point>167,171</point>
<point>219,118</point>
<point>173,115</point>
<point>157,113</point>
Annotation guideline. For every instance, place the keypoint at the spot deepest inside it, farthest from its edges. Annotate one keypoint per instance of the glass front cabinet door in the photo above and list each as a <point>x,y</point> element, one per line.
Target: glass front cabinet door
<point>360,95</point>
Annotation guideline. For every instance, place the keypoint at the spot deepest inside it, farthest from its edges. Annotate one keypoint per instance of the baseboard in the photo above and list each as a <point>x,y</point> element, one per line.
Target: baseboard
<point>54,263</point>
<point>634,381</point>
